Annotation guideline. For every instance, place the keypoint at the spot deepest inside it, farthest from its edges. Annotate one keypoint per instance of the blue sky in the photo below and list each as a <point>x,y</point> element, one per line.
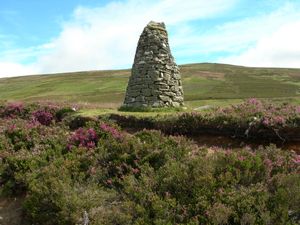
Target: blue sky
<point>74,35</point>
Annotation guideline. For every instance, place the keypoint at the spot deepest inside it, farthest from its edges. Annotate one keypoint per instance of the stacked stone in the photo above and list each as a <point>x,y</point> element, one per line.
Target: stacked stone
<point>155,78</point>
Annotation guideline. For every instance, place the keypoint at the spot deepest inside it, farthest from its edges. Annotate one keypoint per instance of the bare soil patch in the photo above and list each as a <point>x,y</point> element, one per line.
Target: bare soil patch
<point>11,211</point>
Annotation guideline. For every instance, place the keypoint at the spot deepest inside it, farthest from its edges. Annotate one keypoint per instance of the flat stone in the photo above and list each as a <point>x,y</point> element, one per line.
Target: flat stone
<point>175,104</point>
<point>178,99</point>
<point>165,98</point>
<point>170,94</point>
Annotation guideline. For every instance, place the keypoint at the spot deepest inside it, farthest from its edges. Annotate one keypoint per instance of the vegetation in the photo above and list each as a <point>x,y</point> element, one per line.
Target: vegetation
<point>90,163</point>
<point>253,118</point>
<point>74,170</point>
<point>204,84</point>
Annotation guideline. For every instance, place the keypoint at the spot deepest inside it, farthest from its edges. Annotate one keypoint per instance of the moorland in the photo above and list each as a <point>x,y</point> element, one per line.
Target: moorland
<point>69,156</point>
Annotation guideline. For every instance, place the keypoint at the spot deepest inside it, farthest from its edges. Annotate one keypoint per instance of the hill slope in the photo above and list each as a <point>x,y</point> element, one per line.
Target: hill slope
<point>202,83</point>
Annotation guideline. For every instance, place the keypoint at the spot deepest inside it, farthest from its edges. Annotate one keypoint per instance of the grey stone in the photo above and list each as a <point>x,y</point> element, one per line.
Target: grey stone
<point>178,99</point>
<point>171,94</point>
<point>165,98</point>
<point>175,104</point>
<point>154,73</point>
<point>146,92</point>
<point>157,104</point>
<point>140,98</point>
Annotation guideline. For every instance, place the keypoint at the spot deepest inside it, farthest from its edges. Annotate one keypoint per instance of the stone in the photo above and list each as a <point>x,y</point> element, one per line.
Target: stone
<point>158,104</point>
<point>171,94</point>
<point>146,92</point>
<point>175,104</point>
<point>154,73</point>
<point>178,99</point>
<point>165,98</point>
<point>140,98</point>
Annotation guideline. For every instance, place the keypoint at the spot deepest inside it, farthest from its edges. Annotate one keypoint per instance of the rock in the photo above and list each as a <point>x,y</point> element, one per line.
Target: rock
<point>165,98</point>
<point>178,99</point>
<point>157,104</point>
<point>154,72</point>
<point>171,94</point>
<point>175,104</point>
<point>146,92</point>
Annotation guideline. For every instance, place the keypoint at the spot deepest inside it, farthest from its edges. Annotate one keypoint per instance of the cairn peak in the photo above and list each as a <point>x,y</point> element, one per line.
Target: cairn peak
<point>156,25</point>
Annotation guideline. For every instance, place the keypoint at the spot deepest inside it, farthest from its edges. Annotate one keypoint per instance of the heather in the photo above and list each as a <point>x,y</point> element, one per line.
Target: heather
<point>70,169</point>
<point>252,119</point>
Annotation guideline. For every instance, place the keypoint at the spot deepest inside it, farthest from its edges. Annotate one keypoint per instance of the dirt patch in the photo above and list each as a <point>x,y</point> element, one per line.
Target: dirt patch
<point>11,211</point>
<point>229,142</point>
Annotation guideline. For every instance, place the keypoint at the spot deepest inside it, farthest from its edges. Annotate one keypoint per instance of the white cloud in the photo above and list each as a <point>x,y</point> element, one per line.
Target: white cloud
<point>273,39</point>
<point>236,36</point>
<point>277,49</point>
<point>25,54</point>
<point>106,37</point>
<point>8,69</point>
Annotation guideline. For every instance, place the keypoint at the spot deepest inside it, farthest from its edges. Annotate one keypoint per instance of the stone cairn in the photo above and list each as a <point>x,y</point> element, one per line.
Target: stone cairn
<point>155,78</point>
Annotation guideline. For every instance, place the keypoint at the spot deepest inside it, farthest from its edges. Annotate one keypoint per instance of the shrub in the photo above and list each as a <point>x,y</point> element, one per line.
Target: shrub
<point>54,198</point>
<point>87,138</point>
<point>13,110</point>
<point>43,117</point>
<point>63,112</point>
<point>111,177</point>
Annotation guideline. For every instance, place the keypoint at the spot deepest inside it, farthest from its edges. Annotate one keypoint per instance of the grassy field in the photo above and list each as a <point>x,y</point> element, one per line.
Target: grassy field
<point>204,84</point>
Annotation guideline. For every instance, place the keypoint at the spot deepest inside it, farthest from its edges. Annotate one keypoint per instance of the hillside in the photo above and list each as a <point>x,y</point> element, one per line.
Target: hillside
<point>203,83</point>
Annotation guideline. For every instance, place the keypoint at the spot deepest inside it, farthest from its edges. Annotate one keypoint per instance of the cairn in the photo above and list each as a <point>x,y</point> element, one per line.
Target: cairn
<point>155,78</point>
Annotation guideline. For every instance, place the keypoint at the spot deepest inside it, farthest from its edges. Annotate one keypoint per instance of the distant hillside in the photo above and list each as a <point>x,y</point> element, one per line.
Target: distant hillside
<point>202,83</point>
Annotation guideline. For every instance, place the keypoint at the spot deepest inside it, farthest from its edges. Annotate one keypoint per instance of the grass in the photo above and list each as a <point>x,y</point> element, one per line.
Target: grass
<point>204,84</point>
<point>94,112</point>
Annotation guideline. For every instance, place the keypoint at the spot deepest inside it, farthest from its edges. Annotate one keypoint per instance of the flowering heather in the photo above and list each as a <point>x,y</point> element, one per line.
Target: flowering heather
<point>32,124</point>
<point>258,112</point>
<point>254,101</point>
<point>11,128</point>
<point>87,138</point>
<point>296,159</point>
<point>13,110</point>
<point>153,176</point>
<point>44,117</point>
<point>111,130</point>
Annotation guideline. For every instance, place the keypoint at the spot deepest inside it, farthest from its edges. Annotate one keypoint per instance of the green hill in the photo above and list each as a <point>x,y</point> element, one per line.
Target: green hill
<point>203,83</point>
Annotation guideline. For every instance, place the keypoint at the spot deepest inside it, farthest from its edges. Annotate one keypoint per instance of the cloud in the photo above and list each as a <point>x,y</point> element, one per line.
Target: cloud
<point>9,69</point>
<point>277,49</point>
<point>106,37</point>
<point>237,36</point>
<point>25,54</point>
<point>273,40</point>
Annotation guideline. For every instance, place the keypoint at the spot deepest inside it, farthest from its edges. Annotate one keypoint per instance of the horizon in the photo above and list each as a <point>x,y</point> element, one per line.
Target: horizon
<point>86,35</point>
<point>121,69</point>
